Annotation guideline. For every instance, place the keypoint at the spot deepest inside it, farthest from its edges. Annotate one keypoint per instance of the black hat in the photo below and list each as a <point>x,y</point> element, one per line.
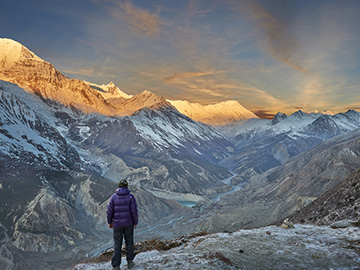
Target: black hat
<point>123,183</point>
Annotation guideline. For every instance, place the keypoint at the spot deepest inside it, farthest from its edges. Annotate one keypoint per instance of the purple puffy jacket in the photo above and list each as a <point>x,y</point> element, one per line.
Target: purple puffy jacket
<point>122,209</point>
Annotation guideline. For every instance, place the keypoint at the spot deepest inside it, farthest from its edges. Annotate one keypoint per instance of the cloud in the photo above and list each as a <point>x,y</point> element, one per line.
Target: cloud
<point>81,71</point>
<point>139,20</point>
<point>264,114</point>
<point>275,36</point>
<point>179,77</point>
<point>204,82</point>
<point>354,107</point>
<point>295,66</point>
<point>218,84</point>
<point>89,73</point>
<point>194,11</point>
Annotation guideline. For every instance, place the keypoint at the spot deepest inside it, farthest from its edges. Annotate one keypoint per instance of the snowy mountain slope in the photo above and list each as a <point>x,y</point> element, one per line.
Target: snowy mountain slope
<point>304,247</point>
<point>295,123</point>
<point>12,52</point>
<point>23,134</point>
<point>143,100</point>
<point>264,145</point>
<point>217,114</point>
<point>179,152</point>
<point>21,66</point>
<point>234,129</point>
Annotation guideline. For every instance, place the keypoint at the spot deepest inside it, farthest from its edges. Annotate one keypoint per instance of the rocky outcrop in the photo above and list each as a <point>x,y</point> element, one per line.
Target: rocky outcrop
<point>47,224</point>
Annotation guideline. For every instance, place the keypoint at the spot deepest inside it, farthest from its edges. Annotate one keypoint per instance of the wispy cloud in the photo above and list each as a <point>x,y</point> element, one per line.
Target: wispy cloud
<point>180,77</point>
<point>204,82</point>
<point>89,73</point>
<point>264,114</point>
<point>355,106</point>
<point>81,71</point>
<point>195,11</point>
<point>139,20</point>
<point>274,35</point>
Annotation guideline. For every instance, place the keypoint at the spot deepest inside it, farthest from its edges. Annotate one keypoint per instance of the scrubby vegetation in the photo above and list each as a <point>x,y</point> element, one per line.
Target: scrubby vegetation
<point>154,244</point>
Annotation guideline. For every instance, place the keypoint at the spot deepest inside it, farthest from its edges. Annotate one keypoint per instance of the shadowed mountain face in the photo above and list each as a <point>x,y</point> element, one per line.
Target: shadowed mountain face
<point>342,202</point>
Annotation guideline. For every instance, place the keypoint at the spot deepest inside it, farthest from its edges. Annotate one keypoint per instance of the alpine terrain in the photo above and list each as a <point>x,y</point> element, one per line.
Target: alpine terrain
<point>66,143</point>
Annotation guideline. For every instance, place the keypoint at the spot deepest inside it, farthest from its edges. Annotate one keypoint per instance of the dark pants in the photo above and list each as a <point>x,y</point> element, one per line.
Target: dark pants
<point>128,233</point>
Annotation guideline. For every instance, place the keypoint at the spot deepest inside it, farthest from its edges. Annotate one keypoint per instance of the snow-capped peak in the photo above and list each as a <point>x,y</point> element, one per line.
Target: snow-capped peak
<point>12,52</point>
<point>146,99</point>
<point>109,90</point>
<point>299,114</point>
<point>214,114</point>
<point>46,81</point>
<point>138,102</point>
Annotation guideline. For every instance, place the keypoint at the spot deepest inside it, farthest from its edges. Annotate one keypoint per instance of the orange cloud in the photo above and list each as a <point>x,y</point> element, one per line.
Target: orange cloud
<point>177,77</point>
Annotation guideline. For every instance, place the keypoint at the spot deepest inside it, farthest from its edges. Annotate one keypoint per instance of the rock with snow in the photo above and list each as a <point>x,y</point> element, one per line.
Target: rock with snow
<point>287,224</point>
<point>278,117</point>
<point>109,91</point>
<point>344,224</point>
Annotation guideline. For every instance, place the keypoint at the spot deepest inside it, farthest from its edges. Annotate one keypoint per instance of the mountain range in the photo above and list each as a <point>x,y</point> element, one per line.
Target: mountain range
<point>21,66</point>
<point>65,143</point>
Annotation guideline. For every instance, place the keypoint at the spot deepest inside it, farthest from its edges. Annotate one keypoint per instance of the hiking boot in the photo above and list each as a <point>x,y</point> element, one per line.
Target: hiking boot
<point>131,264</point>
<point>116,268</point>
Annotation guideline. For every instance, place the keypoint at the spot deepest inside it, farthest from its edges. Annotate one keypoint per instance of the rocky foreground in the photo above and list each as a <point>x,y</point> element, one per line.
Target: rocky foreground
<point>272,247</point>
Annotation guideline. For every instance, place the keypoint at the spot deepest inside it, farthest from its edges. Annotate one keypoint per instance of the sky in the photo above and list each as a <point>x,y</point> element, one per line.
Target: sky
<point>269,55</point>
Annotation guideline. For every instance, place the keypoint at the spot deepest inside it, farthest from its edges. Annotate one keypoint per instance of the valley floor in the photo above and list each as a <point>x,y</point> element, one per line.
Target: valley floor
<point>303,247</point>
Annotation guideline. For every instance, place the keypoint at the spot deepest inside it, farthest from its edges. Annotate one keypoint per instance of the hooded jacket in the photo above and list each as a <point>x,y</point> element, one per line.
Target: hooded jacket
<point>122,209</point>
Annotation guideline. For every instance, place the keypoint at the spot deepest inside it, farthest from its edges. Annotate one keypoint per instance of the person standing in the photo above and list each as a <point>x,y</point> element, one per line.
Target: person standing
<point>122,217</point>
